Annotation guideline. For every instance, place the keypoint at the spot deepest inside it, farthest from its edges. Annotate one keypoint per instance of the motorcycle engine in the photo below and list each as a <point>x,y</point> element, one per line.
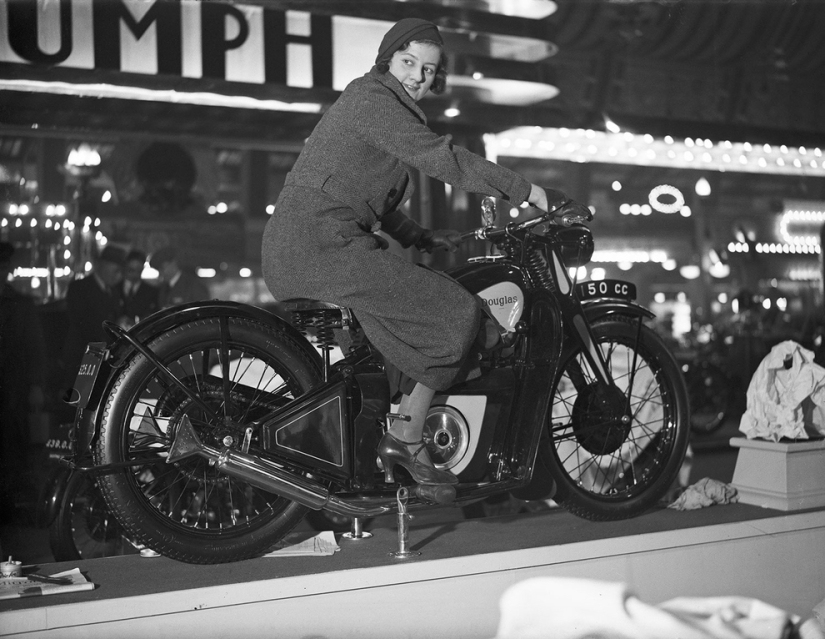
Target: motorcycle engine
<point>447,435</point>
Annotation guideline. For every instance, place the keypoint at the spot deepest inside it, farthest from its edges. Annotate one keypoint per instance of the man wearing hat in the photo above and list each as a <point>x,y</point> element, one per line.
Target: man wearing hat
<point>138,298</point>
<point>178,285</point>
<point>89,302</point>
<point>351,179</point>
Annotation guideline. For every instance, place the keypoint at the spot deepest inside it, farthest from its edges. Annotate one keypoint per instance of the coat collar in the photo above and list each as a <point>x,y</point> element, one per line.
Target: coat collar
<point>392,83</point>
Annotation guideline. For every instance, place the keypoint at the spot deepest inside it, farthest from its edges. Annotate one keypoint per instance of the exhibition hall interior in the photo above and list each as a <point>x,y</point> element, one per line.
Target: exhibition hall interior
<point>144,146</point>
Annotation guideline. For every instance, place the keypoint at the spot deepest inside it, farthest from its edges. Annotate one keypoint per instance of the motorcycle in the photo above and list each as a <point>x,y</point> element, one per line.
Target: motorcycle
<point>215,427</point>
<point>72,508</point>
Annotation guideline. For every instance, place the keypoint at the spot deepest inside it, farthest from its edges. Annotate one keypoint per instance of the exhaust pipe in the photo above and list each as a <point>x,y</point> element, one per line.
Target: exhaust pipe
<point>265,475</point>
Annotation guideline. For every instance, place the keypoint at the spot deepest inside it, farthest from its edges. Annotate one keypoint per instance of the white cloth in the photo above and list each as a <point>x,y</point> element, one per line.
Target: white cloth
<point>785,402</point>
<point>569,608</point>
<point>705,492</point>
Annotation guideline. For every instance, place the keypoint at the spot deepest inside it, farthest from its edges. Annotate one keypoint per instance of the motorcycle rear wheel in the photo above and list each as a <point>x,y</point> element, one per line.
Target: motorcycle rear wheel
<point>84,528</point>
<point>187,510</point>
<point>606,467</point>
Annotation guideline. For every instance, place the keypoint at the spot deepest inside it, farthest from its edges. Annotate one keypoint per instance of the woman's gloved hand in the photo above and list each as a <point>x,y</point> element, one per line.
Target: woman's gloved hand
<point>546,199</point>
<point>441,239</point>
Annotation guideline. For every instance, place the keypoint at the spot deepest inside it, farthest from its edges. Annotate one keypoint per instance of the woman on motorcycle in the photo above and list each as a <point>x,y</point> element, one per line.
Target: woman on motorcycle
<point>351,179</point>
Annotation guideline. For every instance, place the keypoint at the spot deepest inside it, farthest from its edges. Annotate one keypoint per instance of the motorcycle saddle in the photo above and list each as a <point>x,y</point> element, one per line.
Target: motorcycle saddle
<point>309,312</point>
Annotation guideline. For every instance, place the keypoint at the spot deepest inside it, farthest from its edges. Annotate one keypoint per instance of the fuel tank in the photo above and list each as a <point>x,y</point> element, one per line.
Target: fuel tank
<point>499,284</point>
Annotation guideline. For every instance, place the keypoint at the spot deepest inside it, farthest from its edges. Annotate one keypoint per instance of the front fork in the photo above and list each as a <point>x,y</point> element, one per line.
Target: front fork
<point>573,314</point>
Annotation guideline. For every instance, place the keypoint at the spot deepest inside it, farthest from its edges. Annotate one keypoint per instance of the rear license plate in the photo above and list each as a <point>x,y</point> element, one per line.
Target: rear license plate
<point>87,374</point>
<point>606,288</point>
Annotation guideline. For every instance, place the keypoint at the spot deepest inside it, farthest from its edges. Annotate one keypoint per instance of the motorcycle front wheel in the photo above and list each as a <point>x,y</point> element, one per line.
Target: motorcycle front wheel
<point>240,370</point>
<point>613,453</point>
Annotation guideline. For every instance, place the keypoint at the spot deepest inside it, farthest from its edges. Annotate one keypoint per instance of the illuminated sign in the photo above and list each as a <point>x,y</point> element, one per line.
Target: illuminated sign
<point>189,39</point>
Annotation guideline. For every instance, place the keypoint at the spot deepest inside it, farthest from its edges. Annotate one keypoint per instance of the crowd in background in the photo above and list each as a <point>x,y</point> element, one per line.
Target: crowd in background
<point>41,348</point>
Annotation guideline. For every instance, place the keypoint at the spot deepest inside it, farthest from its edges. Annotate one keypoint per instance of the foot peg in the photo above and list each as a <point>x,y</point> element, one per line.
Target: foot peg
<point>435,493</point>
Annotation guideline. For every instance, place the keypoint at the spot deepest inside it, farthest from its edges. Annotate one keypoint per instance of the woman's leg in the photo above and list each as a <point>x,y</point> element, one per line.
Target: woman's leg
<point>415,406</point>
<point>404,444</point>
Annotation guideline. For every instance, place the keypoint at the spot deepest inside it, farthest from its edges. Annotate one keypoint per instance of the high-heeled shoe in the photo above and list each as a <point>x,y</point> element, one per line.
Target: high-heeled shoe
<point>392,451</point>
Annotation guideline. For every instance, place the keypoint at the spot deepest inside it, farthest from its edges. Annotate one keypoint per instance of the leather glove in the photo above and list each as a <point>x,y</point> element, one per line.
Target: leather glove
<point>441,239</point>
<point>546,199</point>
<point>555,199</point>
<point>577,209</point>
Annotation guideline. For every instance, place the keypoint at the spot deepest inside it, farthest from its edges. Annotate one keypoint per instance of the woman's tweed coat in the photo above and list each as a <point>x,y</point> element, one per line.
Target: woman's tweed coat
<point>349,181</point>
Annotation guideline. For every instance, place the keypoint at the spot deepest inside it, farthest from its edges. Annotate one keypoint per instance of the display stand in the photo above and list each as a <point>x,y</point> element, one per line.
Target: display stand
<point>453,589</point>
<point>783,475</point>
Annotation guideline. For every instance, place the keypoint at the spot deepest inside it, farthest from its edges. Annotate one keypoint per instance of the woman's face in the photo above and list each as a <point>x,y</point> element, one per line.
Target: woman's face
<point>415,68</point>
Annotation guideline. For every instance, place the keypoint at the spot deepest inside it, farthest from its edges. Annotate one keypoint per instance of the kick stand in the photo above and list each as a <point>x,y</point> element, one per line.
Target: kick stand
<point>357,531</point>
<point>403,517</point>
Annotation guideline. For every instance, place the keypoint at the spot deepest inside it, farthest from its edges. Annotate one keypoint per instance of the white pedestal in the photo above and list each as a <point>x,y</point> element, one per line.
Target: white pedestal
<point>784,476</point>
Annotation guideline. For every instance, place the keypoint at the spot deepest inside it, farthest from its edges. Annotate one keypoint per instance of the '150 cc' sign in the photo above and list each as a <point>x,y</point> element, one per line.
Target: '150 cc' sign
<point>188,38</point>
<point>606,288</point>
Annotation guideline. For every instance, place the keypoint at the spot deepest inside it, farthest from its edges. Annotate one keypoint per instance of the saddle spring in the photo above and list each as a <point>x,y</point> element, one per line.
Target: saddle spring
<point>319,324</point>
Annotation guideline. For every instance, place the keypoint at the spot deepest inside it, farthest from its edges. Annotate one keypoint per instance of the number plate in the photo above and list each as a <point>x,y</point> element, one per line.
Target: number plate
<point>87,374</point>
<point>606,288</point>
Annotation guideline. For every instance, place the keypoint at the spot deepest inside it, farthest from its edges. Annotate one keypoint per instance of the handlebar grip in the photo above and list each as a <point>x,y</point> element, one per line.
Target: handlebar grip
<point>475,234</point>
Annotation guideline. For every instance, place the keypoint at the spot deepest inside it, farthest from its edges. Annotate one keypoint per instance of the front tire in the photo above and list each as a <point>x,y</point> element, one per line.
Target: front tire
<point>613,453</point>
<point>240,370</point>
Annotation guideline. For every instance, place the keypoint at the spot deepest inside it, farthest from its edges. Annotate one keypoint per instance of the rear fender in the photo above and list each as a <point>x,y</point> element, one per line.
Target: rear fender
<point>176,315</point>
<point>87,420</point>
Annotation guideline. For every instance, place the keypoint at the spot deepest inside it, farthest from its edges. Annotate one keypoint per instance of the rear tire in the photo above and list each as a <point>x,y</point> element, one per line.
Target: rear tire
<point>241,370</point>
<point>605,468</point>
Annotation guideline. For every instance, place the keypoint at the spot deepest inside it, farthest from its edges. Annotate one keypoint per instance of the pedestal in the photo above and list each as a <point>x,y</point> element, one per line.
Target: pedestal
<point>785,476</point>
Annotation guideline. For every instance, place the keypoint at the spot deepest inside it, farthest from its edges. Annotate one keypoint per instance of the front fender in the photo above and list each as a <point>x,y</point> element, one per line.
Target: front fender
<point>87,419</point>
<point>597,309</point>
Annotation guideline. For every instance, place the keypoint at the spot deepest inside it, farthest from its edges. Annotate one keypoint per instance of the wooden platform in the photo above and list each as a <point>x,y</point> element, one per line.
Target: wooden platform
<point>451,590</point>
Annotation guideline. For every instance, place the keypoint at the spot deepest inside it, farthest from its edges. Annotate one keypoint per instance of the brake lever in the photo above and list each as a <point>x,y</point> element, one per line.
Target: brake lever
<point>575,213</point>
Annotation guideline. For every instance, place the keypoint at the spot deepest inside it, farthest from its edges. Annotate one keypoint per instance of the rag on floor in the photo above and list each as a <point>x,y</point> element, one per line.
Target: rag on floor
<point>705,492</point>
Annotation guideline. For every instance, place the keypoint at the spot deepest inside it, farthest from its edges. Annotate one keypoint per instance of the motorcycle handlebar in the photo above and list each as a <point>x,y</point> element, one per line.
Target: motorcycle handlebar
<point>568,212</point>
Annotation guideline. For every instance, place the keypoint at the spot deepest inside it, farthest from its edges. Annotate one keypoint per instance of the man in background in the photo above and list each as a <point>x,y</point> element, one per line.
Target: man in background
<point>179,285</point>
<point>22,380</point>
<point>89,302</point>
<point>138,298</point>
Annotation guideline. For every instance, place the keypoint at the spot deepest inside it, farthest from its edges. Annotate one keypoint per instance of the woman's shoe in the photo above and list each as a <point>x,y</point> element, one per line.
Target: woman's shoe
<point>392,451</point>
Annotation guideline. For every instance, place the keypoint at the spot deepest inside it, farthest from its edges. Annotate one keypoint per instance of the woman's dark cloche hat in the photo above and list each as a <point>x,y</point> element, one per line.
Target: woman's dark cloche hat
<point>404,31</point>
